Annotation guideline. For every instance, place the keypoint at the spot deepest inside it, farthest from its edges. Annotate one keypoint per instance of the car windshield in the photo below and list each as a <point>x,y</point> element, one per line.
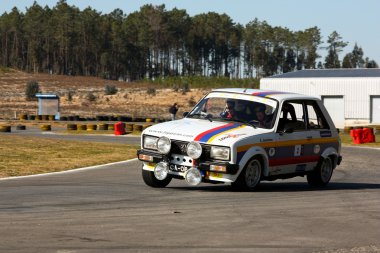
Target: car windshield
<point>221,106</point>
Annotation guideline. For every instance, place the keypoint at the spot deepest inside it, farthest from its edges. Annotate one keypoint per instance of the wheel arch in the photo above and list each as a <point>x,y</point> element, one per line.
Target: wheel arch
<point>332,153</point>
<point>253,152</point>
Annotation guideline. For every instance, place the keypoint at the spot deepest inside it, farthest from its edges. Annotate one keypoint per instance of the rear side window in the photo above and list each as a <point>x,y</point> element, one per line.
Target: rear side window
<point>292,116</point>
<point>316,119</point>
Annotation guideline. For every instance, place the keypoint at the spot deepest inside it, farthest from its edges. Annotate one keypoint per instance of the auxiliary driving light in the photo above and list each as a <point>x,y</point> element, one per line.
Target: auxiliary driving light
<point>193,176</point>
<point>161,170</point>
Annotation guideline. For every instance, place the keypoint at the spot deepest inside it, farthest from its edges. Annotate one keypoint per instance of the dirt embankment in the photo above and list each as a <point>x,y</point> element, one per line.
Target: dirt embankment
<point>132,99</point>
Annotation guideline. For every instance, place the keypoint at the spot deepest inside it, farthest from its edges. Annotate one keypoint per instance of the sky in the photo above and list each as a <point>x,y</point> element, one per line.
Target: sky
<point>356,21</point>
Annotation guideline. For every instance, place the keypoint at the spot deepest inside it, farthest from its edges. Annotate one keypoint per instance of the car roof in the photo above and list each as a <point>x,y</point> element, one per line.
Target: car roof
<point>278,95</point>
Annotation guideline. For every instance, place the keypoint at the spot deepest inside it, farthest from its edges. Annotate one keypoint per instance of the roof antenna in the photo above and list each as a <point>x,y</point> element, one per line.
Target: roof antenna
<point>245,90</point>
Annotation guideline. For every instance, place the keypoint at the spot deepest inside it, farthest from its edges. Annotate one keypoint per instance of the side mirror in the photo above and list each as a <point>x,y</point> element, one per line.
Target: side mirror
<point>185,114</point>
<point>287,130</point>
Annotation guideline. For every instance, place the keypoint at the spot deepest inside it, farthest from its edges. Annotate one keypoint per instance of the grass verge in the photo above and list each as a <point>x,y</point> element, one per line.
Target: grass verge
<point>20,155</point>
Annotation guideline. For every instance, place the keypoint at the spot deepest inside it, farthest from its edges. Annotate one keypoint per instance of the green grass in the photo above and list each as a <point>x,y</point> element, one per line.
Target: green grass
<point>21,155</point>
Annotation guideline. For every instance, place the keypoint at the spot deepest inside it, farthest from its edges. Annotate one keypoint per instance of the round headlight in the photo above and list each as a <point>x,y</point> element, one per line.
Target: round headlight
<point>194,150</point>
<point>164,145</point>
<point>161,171</point>
<point>193,176</point>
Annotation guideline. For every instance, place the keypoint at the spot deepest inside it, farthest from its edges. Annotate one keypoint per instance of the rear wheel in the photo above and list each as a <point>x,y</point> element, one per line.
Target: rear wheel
<point>322,174</point>
<point>250,177</point>
<point>151,180</point>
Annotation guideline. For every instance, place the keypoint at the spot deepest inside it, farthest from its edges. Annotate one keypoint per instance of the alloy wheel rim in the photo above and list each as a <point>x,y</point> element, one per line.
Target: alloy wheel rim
<point>326,170</point>
<point>252,174</point>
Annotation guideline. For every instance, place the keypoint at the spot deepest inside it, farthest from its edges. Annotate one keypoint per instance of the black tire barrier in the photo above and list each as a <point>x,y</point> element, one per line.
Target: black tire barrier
<point>137,128</point>
<point>45,117</point>
<point>103,127</point>
<point>91,127</point>
<point>23,117</point>
<point>32,117</point>
<point>38,117</point>
<point>129,127</point>
<point>70,118</point>
<point>5,129</point>
<point>64,118</point>
<point>122,118</point>
<point>72,127</point>
<point>46,127</point>
<point>20,127</point>
<point>99,117</point>
<point>81,127</point>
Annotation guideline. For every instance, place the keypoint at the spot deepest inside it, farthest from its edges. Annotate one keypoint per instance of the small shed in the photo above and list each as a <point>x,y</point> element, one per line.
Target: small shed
<point>352,96</point>
<point>48,104</point>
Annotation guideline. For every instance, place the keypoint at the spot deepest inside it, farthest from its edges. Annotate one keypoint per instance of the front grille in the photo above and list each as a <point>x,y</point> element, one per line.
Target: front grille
<point>179,147</point>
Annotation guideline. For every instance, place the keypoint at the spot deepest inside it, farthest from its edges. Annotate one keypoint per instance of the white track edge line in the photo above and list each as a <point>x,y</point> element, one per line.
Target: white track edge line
<point>69,171</point>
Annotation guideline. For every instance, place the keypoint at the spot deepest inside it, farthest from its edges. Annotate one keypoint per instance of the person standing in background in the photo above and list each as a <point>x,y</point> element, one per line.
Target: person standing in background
<point>173,110</point>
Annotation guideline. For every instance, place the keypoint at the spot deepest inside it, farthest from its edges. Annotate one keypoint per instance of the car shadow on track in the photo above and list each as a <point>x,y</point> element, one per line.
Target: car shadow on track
<point>284,187</point>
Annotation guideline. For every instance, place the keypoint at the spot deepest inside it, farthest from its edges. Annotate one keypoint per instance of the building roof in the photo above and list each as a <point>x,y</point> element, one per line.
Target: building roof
<point>47,95</point>
<point>321,73</point>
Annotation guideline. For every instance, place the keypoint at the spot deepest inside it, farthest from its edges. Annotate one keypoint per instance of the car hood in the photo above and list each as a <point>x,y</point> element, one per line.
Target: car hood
<point>204,131</point>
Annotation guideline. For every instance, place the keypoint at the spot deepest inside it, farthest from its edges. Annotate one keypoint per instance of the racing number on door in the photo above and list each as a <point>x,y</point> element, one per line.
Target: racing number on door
<point>297,150</point>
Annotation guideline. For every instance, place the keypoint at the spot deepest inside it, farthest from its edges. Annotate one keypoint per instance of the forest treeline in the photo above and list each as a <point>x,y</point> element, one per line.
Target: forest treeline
<point>155,42</point>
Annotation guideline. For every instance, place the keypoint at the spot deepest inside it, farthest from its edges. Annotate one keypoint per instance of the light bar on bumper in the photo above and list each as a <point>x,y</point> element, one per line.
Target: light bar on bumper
<point>219,167</point>
<point>149,156</point>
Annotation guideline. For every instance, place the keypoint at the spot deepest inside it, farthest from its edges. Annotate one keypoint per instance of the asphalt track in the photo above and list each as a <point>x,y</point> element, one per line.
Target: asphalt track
<point>110,209</point>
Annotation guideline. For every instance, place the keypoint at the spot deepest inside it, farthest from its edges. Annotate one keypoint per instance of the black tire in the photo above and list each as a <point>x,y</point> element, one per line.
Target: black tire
<point>322,174</point>
<point>250,176</point>
<point>151,180</point>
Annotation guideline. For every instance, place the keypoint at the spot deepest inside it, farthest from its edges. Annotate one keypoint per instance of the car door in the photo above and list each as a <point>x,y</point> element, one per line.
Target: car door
<point>290,152</point>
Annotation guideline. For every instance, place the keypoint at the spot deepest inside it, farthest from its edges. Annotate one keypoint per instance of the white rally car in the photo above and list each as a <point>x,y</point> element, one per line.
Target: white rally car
<point>243,136</point>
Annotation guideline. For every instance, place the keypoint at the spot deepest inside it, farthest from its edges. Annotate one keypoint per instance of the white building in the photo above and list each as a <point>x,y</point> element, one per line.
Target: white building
<point>352,96</point>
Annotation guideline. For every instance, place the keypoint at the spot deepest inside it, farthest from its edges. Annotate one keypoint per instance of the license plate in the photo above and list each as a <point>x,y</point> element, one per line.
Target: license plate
<point>178,168</point>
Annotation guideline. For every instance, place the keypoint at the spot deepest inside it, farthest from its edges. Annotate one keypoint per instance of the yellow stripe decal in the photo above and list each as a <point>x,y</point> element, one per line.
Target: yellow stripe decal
<point>233,129</point>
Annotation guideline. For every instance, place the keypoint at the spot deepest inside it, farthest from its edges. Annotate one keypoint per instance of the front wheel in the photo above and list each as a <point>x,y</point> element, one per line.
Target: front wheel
<point>322,174</point>
<point>250,177</point>
<point>151,180</point>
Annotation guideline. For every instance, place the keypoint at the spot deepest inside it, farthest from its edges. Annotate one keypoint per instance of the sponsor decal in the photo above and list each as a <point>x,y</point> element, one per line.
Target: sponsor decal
<point>325,133</point>
<point>230,136</point>
<point>297,150</point>
<point>169,133</point>
<point>316,149</point>
<point>272,151</point>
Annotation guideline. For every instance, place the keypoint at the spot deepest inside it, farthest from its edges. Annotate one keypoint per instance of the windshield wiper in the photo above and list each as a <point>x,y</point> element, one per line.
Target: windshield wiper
<point>242,121</point>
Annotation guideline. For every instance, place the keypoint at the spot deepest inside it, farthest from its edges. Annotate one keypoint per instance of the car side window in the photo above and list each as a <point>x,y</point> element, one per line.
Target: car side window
<point>316,119</point>
<point>292,116</point>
